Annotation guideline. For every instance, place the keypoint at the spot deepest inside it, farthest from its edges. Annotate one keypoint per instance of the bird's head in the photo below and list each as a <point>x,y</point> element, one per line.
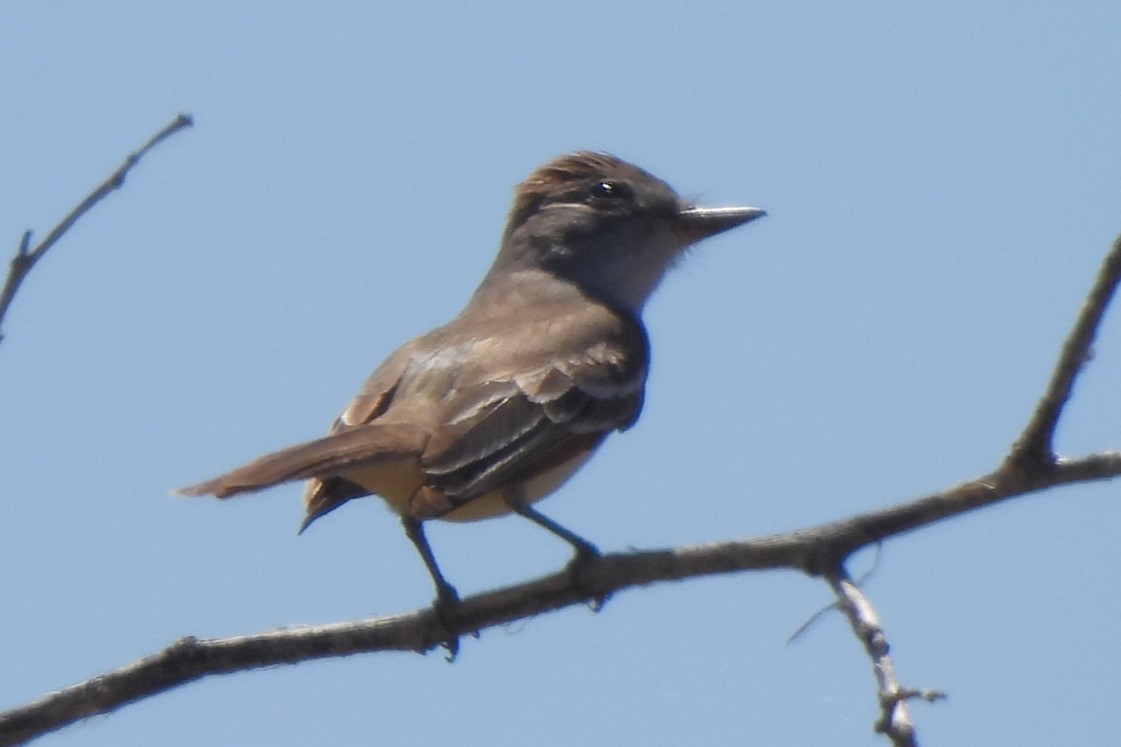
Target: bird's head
<point>606,225</point>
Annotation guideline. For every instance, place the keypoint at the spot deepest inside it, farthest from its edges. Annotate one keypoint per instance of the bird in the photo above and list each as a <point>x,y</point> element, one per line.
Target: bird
<point>496,409</point>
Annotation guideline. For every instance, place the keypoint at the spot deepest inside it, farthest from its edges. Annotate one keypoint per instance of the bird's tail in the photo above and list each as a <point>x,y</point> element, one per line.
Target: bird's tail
<point>364,446</point>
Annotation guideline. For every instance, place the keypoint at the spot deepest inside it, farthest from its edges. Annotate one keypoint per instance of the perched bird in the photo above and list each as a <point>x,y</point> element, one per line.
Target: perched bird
<point>497,408</point>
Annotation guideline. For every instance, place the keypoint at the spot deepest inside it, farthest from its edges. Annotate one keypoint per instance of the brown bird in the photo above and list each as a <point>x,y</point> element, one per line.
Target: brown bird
<point>497,408</point>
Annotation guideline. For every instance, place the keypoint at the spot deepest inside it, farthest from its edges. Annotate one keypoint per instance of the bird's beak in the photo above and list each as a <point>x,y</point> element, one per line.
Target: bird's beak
<point>702,222</point>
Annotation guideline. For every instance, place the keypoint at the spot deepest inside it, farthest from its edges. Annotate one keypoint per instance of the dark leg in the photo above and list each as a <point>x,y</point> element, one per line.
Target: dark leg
<point>584,549</point>
<point>447,598</point>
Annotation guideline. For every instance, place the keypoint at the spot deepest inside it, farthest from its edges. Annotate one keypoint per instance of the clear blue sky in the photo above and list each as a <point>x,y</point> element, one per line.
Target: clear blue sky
<point>942,183</point>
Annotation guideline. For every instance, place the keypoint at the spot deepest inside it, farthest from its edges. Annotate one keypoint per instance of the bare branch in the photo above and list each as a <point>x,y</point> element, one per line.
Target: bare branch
<point>1035,445</point>
<point>895,720</point>
<point>817,550</point>
<point>25,258</point>
<point>825,546</point>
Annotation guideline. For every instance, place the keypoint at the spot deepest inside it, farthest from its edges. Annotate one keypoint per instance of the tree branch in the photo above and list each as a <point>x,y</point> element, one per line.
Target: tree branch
<point>26,257</point>
<point>817,550</point>
<point>1035,445</point>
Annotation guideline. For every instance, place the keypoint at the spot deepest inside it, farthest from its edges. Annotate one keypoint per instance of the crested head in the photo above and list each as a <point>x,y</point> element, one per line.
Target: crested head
<point>603,225</point>
<point>573,175</point>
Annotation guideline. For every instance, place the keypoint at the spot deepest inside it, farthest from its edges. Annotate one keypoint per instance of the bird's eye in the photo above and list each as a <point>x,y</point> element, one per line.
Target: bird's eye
<point>610,190</point>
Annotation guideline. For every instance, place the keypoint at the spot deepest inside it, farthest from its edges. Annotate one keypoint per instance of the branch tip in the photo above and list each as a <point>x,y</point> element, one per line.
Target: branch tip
<point>26,257</point>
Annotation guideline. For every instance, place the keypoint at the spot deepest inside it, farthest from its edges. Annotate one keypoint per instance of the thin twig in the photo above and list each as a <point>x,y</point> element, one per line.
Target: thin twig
<point>895,718</point>
<point>1035,446</point>
<point>26,258</point>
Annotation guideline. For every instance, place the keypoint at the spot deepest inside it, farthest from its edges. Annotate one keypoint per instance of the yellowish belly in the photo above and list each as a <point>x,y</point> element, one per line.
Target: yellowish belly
<point>396,483</point>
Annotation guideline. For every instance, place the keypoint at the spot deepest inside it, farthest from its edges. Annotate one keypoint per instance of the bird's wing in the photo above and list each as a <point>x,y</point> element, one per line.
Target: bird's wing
<point>525,420</point>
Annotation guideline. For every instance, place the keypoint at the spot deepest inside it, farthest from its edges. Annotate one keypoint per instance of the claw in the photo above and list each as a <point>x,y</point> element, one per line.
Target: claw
<point>446,608</point>
<point>585,554</point>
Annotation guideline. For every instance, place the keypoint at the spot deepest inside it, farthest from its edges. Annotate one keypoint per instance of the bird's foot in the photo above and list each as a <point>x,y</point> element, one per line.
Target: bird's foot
<point>446,608</point>
<point>578,570</point>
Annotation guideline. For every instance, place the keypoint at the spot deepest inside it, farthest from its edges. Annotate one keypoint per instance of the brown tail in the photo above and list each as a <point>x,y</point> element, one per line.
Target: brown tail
<point>363,446</point>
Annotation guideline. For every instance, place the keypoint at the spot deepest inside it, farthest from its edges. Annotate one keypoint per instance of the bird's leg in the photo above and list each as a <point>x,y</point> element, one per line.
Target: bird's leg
<point>585,551</point>
<point>447,598</point>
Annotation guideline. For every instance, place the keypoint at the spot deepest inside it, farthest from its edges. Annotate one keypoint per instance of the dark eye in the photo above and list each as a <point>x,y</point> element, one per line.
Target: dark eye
<point>609,190</point>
